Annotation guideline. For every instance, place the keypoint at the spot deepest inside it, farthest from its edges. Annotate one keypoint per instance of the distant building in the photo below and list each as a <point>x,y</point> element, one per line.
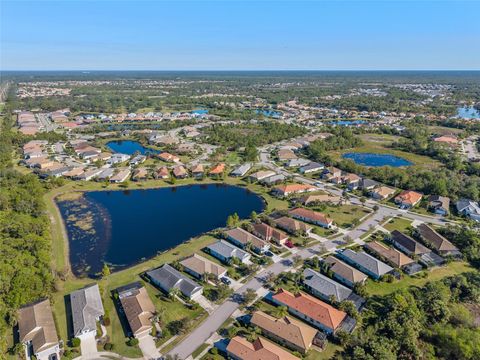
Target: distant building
<point>241,170</point>
<point>289,189</point>
<point>468,208</point>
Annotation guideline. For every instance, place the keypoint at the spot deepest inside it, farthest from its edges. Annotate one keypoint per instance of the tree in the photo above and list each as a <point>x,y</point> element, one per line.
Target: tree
<point>173,293</point>
<point>254,216</point>
<point>281,311</point>
<point>297,260</point>
<point>105,271</point>
<point>76,342</point>
<point>248,296</point>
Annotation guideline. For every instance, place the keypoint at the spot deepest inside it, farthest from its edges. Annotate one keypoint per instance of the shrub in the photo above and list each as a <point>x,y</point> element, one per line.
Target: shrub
<point>106,321</point>
<point>132,342</point>
<point>76,342</point>
<point>214,351</point>
<point>108,347</point>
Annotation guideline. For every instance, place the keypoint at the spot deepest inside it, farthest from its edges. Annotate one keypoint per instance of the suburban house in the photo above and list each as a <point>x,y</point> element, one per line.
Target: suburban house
<point>180,172</point>
<point>167,278</point>
<point>323,198</point>
<point>439,204</point>
<point>225,251</point>
<point>365,263</point>
<point>199,267</point>
<point>286,154</point>
<point>368,184</point>
<point>269,233</point>
<point>468,208</point>
<point>241,170</point>
<point>167,157</point>
<point>87,309</point>
<point>117,158</point>
<point>311,216</point>
<point>332,174</point>
<point>106,174</point>
<point>352,180</point>
<point>382,193</point>
<point>240,348</point>
<point>140,173</point>
<point>292,226</point>
<point>345,273</point>
<point>89,174</point>
<point>311,168</point>
<point>436,241</point>
<point>161,173</point>
<point>121,176</point>
<point>414,248</point>
<point>242,238</point>
<point>273,180</point>
<point>137,160</point>
<point>285,190</point>
<point>408,199</point>
<point>198,171</point>
<point>310,309</point>
<point>392,256</point>
<point>297,162</point>
<point>323,287</point>
<point>287,331</point>
<point>217,169</point>
<point>37,331</point>
<point>137,307</point>
<point>260,175</point>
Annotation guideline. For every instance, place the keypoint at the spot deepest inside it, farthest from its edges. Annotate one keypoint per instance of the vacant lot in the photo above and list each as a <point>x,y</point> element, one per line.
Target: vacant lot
<point>344,215</point>
<point>400,224</point>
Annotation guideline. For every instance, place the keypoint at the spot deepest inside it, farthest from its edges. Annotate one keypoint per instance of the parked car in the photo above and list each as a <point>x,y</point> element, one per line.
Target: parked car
<point>226,280</point>
<point>269,253</point>
<point>289,244</point>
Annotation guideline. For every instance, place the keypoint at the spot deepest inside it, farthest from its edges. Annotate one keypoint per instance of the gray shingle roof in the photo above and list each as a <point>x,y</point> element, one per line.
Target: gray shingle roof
<point>86,306</point>
<point>408,243</point>
<point>368,262</point>
<point>324,285</point>
<point>227,250</point>
<point>168,278</point>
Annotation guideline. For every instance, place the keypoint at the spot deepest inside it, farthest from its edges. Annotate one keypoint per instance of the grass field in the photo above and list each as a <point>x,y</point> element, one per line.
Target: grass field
<point>384,288</point>
<point>344,215</point>
<point>400,224</point>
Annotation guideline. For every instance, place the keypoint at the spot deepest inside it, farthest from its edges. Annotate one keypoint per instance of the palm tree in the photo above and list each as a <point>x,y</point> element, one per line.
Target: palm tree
<point>281,311</point>
<point>253,333</point>
<point>173,293</point>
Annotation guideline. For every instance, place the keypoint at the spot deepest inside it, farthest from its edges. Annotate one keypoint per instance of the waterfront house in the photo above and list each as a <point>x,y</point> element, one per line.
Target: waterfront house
<point>137,160</point>
<point>439,204</point>
<point>323,287</point>
<point>365,263</point>
<point>287,331</point>
<point>311,216</point>
<point>89,174</point>
<point>87,309</point>
<point>310,309</point>
<point>37,331</point>
<point>388,254</point>
<point>137,307</point>
<point>408,199</point>
<point>121,176</point>
<point>105,174</point>
<point>382,193</point>
<point>368,184</point>
<point>468,208</point>
<point>260,175</point>
<point>323,198</point>
<point>289,189</point>
<point>161,173</point>
<point>242,238</point>
<point>436,241</point>
<point>198,171</point>
<point>311,168</point>
<point>180,172</point>
<point>269,233</point>
<point>117,158</point>
<point>273,180</point>
<point>217,170</point>
<point>292,226</point>
<point>345,273</point>
<point>241,170</point>
<point>200,267</point>
<point>140,173</point>
<point>167,278</point>
<point>240,348</point>
<point>225,251</point>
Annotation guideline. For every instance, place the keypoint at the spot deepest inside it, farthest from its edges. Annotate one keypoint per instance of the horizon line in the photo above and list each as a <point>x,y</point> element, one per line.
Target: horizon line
<point>236,70</point>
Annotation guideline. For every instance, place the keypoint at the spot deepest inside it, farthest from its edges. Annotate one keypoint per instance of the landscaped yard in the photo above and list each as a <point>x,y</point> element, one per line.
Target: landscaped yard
<point>400,224</point>
<point>384,288</point>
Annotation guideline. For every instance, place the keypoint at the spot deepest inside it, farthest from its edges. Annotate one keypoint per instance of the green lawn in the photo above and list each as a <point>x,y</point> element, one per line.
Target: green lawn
<point>199,350</point>
<point>326,354</point>
<point>400,224</point>
<point>383,288</point>
<point>344,215</point>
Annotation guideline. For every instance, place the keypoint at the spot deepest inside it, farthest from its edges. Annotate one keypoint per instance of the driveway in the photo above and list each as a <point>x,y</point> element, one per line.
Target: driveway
<point>204,303</point>
<point>88,346</point>
<point>147,345</point>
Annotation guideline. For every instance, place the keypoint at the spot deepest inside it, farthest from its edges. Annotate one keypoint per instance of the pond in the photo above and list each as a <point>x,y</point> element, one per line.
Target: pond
<point>122,228</point>
<point>347,122</point>
<point>199,112</point>
<point>369,159</point>
<point>130,147</point>
<point>269,113</point>
<point>468,112</point>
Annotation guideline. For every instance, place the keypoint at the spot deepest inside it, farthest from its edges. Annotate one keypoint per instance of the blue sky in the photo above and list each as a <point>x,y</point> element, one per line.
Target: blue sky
<point>234,35</point>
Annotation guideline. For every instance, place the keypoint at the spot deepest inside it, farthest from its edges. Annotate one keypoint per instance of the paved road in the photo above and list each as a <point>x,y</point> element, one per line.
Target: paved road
<point>224,311</point>
<point>470,148</point>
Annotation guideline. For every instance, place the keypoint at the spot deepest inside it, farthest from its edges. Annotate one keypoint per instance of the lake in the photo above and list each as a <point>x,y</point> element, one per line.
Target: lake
<point>122,228</point>
<point>347,122</point>
<point>269,113</point>
<point>130,147</point>
<point>199,112</point>
<point>468,112</point>
<point>369,159</point>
